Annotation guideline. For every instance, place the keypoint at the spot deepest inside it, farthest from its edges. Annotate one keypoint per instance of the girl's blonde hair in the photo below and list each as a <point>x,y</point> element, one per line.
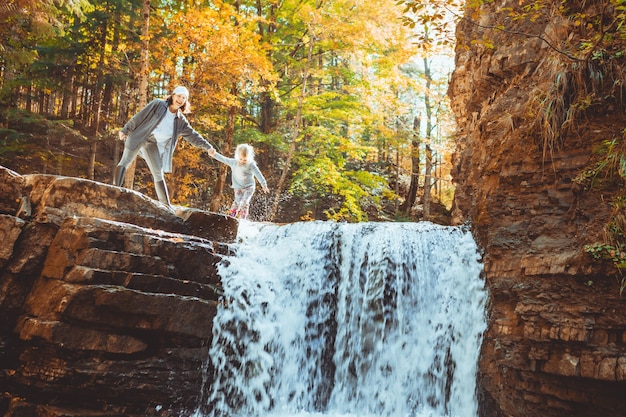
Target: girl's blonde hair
<point>244,149</point>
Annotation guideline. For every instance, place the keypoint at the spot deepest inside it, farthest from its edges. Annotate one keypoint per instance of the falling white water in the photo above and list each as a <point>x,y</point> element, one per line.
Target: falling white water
<point>352,320</point>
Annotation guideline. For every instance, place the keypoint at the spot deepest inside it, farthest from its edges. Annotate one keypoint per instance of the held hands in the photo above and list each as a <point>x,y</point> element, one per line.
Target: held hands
<point>212,151</point>
<point>122,136</point>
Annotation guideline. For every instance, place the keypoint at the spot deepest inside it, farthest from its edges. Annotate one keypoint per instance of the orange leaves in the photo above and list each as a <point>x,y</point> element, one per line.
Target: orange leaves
<point>210,48</point>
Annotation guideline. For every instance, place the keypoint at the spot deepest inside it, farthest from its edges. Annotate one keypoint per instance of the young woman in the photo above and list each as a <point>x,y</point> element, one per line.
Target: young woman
<point>243,172</point>
<point>153,133</point>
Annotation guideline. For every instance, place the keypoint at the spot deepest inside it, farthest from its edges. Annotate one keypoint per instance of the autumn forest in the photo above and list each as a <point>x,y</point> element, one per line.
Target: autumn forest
<point>344,105</point>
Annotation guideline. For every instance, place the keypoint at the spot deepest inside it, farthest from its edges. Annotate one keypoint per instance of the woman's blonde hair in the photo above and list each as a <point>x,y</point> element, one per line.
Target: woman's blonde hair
<point>244,149</point>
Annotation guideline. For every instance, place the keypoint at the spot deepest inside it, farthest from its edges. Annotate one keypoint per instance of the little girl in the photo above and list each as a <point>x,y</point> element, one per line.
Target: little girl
<point>243,171</point>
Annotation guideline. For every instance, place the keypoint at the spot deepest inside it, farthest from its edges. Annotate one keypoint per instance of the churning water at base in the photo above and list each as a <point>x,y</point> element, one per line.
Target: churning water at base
<point>352,320</point>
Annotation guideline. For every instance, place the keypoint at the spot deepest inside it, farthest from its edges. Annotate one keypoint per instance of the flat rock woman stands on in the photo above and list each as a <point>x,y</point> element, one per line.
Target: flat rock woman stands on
<point>153,133</point>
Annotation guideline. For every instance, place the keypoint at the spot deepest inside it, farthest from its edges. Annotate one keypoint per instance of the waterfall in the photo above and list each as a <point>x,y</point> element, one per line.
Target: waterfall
<point>352,320</point>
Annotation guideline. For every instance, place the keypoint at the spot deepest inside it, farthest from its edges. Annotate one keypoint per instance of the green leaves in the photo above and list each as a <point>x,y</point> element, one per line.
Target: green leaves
<point>610,166</point>
<point>353,191</point>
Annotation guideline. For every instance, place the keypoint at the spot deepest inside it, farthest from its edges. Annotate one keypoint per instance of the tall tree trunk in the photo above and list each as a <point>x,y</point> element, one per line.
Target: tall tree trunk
<point>294,133</point>
<point>123,109</point>
<point>61,156</point>
<point>397,188</point>
<point>74,102</point>
<point>85,103</point>
<point>93,149</point>
<point>44,169</point>
<point>66,96</point>
<point>107,97</point>
<point>91,168</point>
<point>144,71</point>
<point>415,168</point>
<point>429,153</point>
<point>267,102</point>
<point>428,181</point>
<point>29,98</point>
<point>99,79</point>
<point>41,105</point>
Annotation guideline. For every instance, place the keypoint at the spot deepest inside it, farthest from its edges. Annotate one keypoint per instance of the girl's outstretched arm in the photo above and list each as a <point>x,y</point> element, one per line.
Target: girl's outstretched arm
<point>259,176</point>
<point>219,157</point>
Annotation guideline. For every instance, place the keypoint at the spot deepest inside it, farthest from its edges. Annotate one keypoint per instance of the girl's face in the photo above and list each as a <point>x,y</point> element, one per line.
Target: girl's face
<point>242,159</point>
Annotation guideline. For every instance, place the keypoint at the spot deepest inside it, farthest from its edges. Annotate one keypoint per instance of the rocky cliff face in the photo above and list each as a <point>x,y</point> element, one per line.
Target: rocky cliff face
<point>556,343</point>
<point>106,298</point>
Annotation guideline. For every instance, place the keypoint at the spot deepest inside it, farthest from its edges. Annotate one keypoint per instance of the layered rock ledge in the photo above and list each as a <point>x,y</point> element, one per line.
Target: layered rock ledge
<point>107,299</point>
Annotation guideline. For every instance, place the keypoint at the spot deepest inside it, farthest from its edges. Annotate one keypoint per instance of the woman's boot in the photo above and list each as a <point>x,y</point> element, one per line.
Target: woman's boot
<point>118,177</point>
<point>162,194</point>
